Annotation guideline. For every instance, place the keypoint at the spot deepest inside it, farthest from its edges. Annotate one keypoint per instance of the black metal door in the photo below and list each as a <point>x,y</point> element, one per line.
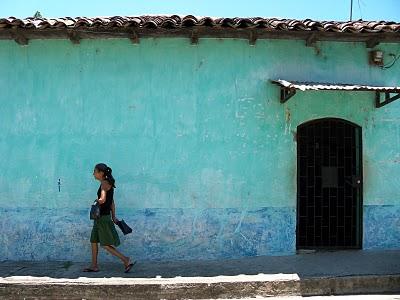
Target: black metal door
<point>329,184</point>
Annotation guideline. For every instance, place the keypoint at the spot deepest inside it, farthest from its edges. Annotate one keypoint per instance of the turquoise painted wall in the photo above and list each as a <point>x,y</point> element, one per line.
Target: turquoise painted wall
<point>203,152</point>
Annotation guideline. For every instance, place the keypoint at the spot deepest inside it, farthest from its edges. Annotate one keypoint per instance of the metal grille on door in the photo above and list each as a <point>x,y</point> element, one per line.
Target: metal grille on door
<point>329,184</point>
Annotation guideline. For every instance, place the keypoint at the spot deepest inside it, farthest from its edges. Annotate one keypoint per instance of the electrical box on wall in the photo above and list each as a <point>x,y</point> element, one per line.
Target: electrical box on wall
<point>376,58</point>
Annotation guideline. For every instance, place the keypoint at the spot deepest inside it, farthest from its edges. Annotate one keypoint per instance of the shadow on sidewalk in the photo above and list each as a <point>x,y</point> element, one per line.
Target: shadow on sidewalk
<point>319,264</point>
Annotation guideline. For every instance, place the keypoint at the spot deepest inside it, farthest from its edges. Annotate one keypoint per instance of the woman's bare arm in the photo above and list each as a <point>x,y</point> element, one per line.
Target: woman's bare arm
<point>104,188</point>
<point>102,198</point>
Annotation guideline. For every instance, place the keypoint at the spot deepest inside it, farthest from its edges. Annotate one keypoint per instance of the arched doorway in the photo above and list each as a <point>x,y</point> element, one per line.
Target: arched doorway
<point>329,184</point>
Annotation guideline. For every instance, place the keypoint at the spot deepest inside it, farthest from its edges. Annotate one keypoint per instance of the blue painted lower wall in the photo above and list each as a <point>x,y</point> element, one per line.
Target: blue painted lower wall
<point>175,234</point>
<point>381,227</point>
<point>159,234</point>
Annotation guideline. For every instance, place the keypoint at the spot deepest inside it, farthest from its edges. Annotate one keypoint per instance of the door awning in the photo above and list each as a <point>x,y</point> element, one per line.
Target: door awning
<point>289,88</point>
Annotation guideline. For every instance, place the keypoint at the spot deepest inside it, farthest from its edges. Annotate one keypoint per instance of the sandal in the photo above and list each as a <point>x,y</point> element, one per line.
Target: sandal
<point>129,266</point>
<point>90,270</point>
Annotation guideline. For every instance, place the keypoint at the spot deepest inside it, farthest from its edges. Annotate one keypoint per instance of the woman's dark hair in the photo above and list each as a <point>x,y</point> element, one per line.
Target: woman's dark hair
<point>107,173</point>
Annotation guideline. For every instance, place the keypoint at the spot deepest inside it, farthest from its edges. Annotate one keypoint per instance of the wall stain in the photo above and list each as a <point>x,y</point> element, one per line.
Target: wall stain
<point>294,133</point>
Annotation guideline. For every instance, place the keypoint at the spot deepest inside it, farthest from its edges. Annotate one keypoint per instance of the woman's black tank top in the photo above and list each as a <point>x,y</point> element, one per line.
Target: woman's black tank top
<point>105,208</point>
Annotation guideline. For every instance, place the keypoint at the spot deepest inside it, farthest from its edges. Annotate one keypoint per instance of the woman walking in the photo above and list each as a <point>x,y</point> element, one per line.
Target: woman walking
<point>103,230</point>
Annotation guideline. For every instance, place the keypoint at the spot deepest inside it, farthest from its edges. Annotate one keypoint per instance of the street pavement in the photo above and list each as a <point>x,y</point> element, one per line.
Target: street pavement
<point>307,274</point>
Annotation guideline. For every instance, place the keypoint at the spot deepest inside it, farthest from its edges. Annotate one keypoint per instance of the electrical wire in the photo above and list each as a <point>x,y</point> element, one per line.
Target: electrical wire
<point>351,10</point>
<point>359,7</point>
<point>395,58</point>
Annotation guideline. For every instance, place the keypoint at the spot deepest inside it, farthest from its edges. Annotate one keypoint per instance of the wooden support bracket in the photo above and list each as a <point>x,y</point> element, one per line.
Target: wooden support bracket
<point>194,37</point>
<point>287,93</point>
<point>371,43</point>
<point>252,38</point>
<point>74,37</point>
<point>20,39</point>
<point>388,98</point>
<point>134,37</point>
<point>311,40</point>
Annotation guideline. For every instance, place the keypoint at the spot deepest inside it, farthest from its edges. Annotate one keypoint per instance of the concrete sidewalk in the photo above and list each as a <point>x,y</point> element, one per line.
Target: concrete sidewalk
<point>321,273</point>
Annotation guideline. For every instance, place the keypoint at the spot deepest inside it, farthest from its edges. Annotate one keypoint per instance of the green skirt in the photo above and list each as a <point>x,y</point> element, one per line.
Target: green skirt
<point>104,232</point>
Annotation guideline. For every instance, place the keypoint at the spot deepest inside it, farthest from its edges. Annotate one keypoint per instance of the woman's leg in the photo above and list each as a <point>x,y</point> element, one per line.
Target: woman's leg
<point>93,267</point>
<point>115,252</point>
<point>95,252</point>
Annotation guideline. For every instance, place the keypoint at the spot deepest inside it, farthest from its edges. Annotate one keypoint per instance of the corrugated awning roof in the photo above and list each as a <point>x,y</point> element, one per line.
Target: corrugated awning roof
<point>304,85</point>
<point>288,89</point>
